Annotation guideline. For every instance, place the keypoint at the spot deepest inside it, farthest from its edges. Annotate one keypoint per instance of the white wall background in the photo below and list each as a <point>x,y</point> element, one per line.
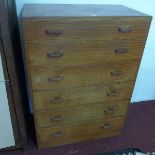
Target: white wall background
<point>6,130</point>
<point>145,83</point>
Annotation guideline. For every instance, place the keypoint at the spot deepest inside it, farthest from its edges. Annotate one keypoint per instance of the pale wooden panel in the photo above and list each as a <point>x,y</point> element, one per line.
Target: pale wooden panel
<point>81,113</point>
<point>85,28</point>
<point>64,98</point>
<point>79,132</point>
<point>63,52</point>
<point>68,76</point>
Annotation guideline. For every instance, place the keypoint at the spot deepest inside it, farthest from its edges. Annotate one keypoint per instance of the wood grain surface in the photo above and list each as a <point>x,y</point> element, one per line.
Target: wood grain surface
<point>69,76</point>
<point>76,133</point>
<point>81,113</point>
<point>63,98</point>
<point>82,62</point>
<point>107,28</point>
<point>66,53</point>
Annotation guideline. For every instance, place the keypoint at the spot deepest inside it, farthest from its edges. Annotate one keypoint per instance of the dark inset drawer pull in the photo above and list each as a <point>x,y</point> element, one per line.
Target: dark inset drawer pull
<point>57,118</point>
<point>109,110</point>
<point>55,78</point>
<point>55,54</point>
<point>107,126</point>
<point>125,29</point>
<point>55,32</point>
<point>112,93</point>
<point>57,99</point>
<point>57,134</point>
<point>116,73</point>
<point>121,50</point>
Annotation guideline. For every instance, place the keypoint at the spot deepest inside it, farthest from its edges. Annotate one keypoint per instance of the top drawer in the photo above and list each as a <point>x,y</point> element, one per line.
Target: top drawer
<point>107,28</point>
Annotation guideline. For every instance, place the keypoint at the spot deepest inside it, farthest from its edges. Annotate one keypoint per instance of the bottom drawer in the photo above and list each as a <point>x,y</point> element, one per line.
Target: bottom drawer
<point>55,136</point>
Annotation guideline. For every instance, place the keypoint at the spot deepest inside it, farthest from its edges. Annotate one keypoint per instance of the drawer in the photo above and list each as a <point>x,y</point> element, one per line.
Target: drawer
<point>63,98</point>
<point>75,133</point>
<point>68,76</point>
<point>44,31</point>
<point>61,53</point>
<point>80,113</point>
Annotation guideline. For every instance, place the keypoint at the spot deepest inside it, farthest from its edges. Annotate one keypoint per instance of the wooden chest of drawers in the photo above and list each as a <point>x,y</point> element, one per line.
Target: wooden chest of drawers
<point>82,62</point>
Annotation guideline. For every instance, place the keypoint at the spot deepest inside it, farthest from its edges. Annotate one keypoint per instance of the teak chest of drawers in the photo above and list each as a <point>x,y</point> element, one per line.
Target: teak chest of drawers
<point>82,62</point>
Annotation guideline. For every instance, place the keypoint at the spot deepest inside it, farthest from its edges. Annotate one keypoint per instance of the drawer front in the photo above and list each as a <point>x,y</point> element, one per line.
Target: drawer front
<point>44,31</point>
<point>63,98</point>
<point>74,133</point>
<point>53,54</point>
<point>81,113</point>
<point>83,75</point>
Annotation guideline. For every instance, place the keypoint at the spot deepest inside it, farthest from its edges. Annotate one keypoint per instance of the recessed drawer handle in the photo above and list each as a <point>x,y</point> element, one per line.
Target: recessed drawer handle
<point>57,99</point>
<point>121,50</point>
<point>57,134</point>
<point>109,111</point>
<point>112,93</point>
<point>55,78</point>
<point>55,54</point>
<point>54,32</point>
<point>125,29</point>
<point>116,73</point>
<point>107,126</point>
<point>57,118</point>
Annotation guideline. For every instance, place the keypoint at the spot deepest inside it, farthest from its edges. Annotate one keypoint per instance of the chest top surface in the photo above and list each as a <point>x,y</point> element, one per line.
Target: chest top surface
<point>77,10</point>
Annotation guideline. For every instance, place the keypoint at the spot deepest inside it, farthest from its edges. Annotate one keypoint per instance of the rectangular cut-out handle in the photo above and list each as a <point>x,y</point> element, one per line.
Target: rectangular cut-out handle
<point>55,78</point>
<point>125,29</point>
<point>121,50</point>
<point>116,72</point>
<point>109,110</point>
<point>54,32</point>
<point>112,93</point>
<point>54,54</point>
<point>107,126</point>
<point>57,99</point>
<point>57,118</point>
<point>57,134</point>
